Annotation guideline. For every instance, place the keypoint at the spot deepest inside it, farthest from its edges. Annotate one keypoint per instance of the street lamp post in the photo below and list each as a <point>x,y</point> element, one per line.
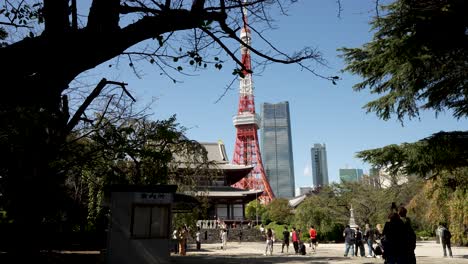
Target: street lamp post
<point>256,208</point>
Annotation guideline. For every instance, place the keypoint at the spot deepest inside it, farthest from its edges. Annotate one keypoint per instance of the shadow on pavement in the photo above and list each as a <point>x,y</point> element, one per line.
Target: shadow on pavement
<point>252,258</point>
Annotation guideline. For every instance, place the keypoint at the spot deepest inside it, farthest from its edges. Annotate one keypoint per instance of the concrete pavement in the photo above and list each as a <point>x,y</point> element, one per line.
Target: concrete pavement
<point>252,252</point>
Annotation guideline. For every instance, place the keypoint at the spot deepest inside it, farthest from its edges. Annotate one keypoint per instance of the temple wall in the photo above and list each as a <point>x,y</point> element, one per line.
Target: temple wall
<point>209,236</point>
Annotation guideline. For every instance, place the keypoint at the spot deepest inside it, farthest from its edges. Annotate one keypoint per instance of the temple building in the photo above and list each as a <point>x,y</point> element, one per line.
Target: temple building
<point>226,204</point>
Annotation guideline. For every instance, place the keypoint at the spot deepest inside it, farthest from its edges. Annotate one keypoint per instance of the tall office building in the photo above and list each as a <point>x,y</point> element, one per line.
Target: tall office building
<point>319,165</point>
<point>351,175</point>
<point>276,148</point>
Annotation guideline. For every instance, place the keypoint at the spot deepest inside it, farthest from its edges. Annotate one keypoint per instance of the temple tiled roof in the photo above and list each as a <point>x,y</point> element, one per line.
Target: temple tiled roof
<point>225,191</point>
<point>294,202</point>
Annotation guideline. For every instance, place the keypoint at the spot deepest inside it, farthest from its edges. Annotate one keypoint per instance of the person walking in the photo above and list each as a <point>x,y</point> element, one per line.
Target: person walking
<point>313,238</point>
<point>369,237</point>
<point>445,239</point>
<point>359,243</point>
<point>269,242</point>
<point>285,240</point>
<point>349,236</point>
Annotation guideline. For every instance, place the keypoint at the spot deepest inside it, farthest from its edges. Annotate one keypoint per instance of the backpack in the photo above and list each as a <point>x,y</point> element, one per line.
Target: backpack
<point>352,238</point>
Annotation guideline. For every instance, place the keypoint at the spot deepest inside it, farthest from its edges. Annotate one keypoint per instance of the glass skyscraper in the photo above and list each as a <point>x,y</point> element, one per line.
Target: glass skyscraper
<point>276,148</point>
<point>319,165</point>
<point>351,175</point>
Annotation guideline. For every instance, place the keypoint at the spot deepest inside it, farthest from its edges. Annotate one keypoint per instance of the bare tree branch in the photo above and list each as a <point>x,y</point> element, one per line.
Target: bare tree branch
<point>95,93</point>
<point>232,34</point>
<point>339,8</point>
<point>225,48</point>
<point>14,25</point>
<point>226,89</point>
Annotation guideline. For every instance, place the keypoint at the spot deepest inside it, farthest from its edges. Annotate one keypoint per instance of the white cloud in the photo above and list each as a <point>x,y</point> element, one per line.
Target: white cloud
<point>307,171</point>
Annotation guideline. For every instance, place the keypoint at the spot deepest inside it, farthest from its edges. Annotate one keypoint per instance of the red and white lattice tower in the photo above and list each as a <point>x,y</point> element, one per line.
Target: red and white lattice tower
<point>247,122</point>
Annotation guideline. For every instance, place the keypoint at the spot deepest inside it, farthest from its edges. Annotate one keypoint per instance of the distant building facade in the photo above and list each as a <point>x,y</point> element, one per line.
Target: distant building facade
<point>351,175</point>
<point>381,178</point>
<point>304,190</point>
<point>319,165</point>
<point>276,148</point>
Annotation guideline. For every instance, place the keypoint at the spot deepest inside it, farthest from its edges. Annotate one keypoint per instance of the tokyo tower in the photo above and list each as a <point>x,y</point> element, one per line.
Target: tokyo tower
<point>247,122</point>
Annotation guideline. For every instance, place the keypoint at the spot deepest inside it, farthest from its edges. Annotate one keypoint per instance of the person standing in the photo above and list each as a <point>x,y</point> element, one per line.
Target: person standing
<point>240,234</point>
<point>445,239</point>
<point>394,234</point>
<point>313,238</point>
<point>348,235</point>
<point>187,233</point>
<point>285,240</point>
<point>358,243</point>
<point>269,242</point>
<point>198,238</point>
<point>378,250</point>
<point>175,240</point>
<point>262,229</point>
<point>410,239</point>
<point>182,240</point>
<point>224,239</point>
<point>370,239</point>
<point>295,240</point>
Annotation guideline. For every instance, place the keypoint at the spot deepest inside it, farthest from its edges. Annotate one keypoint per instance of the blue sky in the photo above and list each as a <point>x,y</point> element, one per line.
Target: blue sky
<point>320,111</point>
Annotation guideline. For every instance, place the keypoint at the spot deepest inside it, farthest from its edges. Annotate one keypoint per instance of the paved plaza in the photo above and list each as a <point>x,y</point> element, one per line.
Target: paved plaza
<point>252,252</point>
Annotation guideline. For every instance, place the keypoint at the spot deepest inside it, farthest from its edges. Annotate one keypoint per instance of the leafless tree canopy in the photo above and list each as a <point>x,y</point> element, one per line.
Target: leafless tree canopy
<point>61,41</point>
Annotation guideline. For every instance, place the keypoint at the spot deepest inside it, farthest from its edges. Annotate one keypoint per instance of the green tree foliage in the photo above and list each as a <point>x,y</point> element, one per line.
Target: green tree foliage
<point>444,200</point>
<point>253,209</point>
<point>131,151</point>
<point>314,211</point>
<point>279,211</point>
<point>50,43</point>
<point>427,157</point>
<point>416,60</point>
<point>329,209</point>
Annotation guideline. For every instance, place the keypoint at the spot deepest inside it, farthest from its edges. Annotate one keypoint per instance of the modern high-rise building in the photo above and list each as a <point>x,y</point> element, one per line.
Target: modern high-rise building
<point>276,148</point>
<point>319,165</point>
<point>351,175</point>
